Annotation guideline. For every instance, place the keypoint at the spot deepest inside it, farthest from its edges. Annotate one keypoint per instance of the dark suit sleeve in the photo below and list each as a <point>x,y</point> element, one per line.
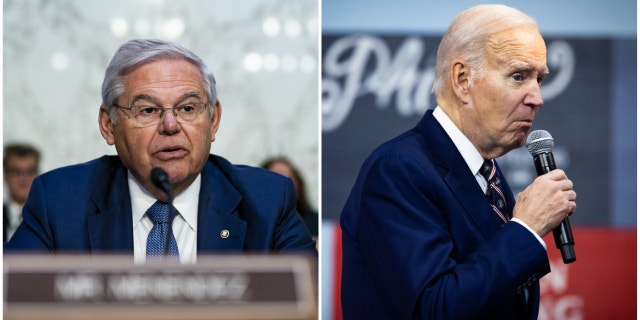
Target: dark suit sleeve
<point>404,229</point>
<point>34,233</point>
<point>291,233</point>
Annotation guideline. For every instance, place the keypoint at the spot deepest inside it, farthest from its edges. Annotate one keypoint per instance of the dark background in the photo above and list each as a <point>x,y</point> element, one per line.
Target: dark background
<point>592,119</point>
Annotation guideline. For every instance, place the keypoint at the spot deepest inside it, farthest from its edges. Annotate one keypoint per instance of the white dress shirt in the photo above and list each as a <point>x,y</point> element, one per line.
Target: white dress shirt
<point>15,217</point>
<point>471,156</point>
<point>185,225</point>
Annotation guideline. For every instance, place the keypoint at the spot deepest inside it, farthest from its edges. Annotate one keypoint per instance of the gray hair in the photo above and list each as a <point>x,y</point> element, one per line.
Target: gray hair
<point>135,53</point>
<point>468,35</point>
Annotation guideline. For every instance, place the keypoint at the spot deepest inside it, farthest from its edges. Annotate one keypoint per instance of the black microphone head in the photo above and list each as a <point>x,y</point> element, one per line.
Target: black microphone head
<point>539,141</point>
<point>160,179</point>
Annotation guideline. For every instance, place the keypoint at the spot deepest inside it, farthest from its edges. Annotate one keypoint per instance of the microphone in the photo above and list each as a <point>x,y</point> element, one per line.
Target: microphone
<point>160,179</point>
<point>539,143</point>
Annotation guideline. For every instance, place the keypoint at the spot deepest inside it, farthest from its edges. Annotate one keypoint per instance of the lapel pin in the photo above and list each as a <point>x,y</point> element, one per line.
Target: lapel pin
<point>224,234</point>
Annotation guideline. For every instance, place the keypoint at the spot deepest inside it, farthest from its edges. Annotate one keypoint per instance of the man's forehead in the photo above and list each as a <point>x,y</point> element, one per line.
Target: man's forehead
<point>20,158</point>
<point>162,79</point>
<point>520,48</point>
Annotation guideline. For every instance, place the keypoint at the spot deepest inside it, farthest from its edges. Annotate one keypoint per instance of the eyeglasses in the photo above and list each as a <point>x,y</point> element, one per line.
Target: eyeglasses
<point>144,116</point>
<point>17,172</point>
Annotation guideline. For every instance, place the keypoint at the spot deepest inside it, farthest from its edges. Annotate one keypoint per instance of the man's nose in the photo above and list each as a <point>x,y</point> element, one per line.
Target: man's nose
<point>534,96</point>
<point>169,123</point>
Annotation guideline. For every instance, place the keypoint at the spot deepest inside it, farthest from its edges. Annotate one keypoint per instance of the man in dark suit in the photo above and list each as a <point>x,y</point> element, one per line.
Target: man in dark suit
<point>425,234</point>
<point>160,109</point>
<point>20,164</point>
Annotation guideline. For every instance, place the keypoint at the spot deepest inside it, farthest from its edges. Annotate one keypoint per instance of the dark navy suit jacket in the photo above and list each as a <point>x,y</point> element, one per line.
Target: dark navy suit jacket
<point>420,240</point>
<point>87,208</point>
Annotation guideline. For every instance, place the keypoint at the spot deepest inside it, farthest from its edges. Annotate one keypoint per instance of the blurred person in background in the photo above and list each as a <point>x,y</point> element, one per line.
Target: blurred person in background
<point>285,167</point>
<point>161,110</point>
<point>21,164</point>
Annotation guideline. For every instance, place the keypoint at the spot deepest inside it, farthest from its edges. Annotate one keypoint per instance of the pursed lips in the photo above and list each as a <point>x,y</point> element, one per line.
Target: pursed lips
<point>170,152</point>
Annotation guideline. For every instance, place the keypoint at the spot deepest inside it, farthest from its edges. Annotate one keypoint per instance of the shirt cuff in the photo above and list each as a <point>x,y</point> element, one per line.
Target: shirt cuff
<point>544,245</point>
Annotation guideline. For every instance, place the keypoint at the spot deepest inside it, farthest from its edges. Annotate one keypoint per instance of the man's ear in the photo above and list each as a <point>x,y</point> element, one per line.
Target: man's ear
<point>215,120</point>
<point>460,79</point>
<point>106,128</point>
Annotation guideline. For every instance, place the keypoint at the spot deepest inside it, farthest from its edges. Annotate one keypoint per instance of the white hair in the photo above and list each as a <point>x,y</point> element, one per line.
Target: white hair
<point>468,35</point>
<point>135,53</point>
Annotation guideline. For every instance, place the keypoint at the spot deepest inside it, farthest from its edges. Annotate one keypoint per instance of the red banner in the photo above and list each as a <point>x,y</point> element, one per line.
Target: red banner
<point>600,284</point>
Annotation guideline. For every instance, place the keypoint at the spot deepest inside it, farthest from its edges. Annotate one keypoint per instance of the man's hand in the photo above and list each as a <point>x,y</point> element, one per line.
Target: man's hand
<point>546,202</point>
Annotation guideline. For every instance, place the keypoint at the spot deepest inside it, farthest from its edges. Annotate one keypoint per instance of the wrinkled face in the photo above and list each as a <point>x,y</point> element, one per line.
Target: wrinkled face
<point>180,148</point>
<point>19,174</point>
<point>505,97</point>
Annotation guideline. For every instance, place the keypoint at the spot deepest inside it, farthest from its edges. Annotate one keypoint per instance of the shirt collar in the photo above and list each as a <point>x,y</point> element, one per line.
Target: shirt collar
<point>186,202</point>
<point>15,212</point>
<point>468,151</point>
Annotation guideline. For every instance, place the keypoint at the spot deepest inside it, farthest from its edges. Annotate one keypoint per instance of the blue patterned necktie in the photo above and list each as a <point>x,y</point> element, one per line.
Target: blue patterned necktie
<point>162,215</point>
<point>494,193</point>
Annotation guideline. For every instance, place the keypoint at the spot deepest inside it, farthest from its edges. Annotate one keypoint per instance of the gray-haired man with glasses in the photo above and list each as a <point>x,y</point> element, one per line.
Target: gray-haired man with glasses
<point>150,115</point>
<point>160,109</point>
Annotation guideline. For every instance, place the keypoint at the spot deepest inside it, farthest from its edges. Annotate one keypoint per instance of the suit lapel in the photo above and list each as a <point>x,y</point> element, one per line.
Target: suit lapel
<point>469,195</point>
<point>219,226</point>
<point>111,227</point>
<point>455,172</point>
<point>5,222</point>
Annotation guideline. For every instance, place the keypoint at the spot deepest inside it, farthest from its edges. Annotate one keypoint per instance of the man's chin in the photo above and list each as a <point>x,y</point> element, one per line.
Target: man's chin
<point>521,137</point>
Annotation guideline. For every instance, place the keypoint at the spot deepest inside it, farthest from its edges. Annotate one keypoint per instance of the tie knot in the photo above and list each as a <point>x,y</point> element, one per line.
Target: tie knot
<point>161,212</point>
<point>488,170</point>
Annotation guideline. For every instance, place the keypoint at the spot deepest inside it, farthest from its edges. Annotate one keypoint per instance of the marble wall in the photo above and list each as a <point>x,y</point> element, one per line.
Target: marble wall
<point>264,54</point>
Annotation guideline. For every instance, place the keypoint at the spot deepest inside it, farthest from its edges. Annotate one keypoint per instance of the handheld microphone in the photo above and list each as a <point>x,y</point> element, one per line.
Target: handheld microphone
<point>539,143</point>
<point>160,179</point>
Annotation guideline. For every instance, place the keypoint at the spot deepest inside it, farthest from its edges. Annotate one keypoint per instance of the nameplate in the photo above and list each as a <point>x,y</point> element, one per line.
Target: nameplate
<point>217,287</point>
